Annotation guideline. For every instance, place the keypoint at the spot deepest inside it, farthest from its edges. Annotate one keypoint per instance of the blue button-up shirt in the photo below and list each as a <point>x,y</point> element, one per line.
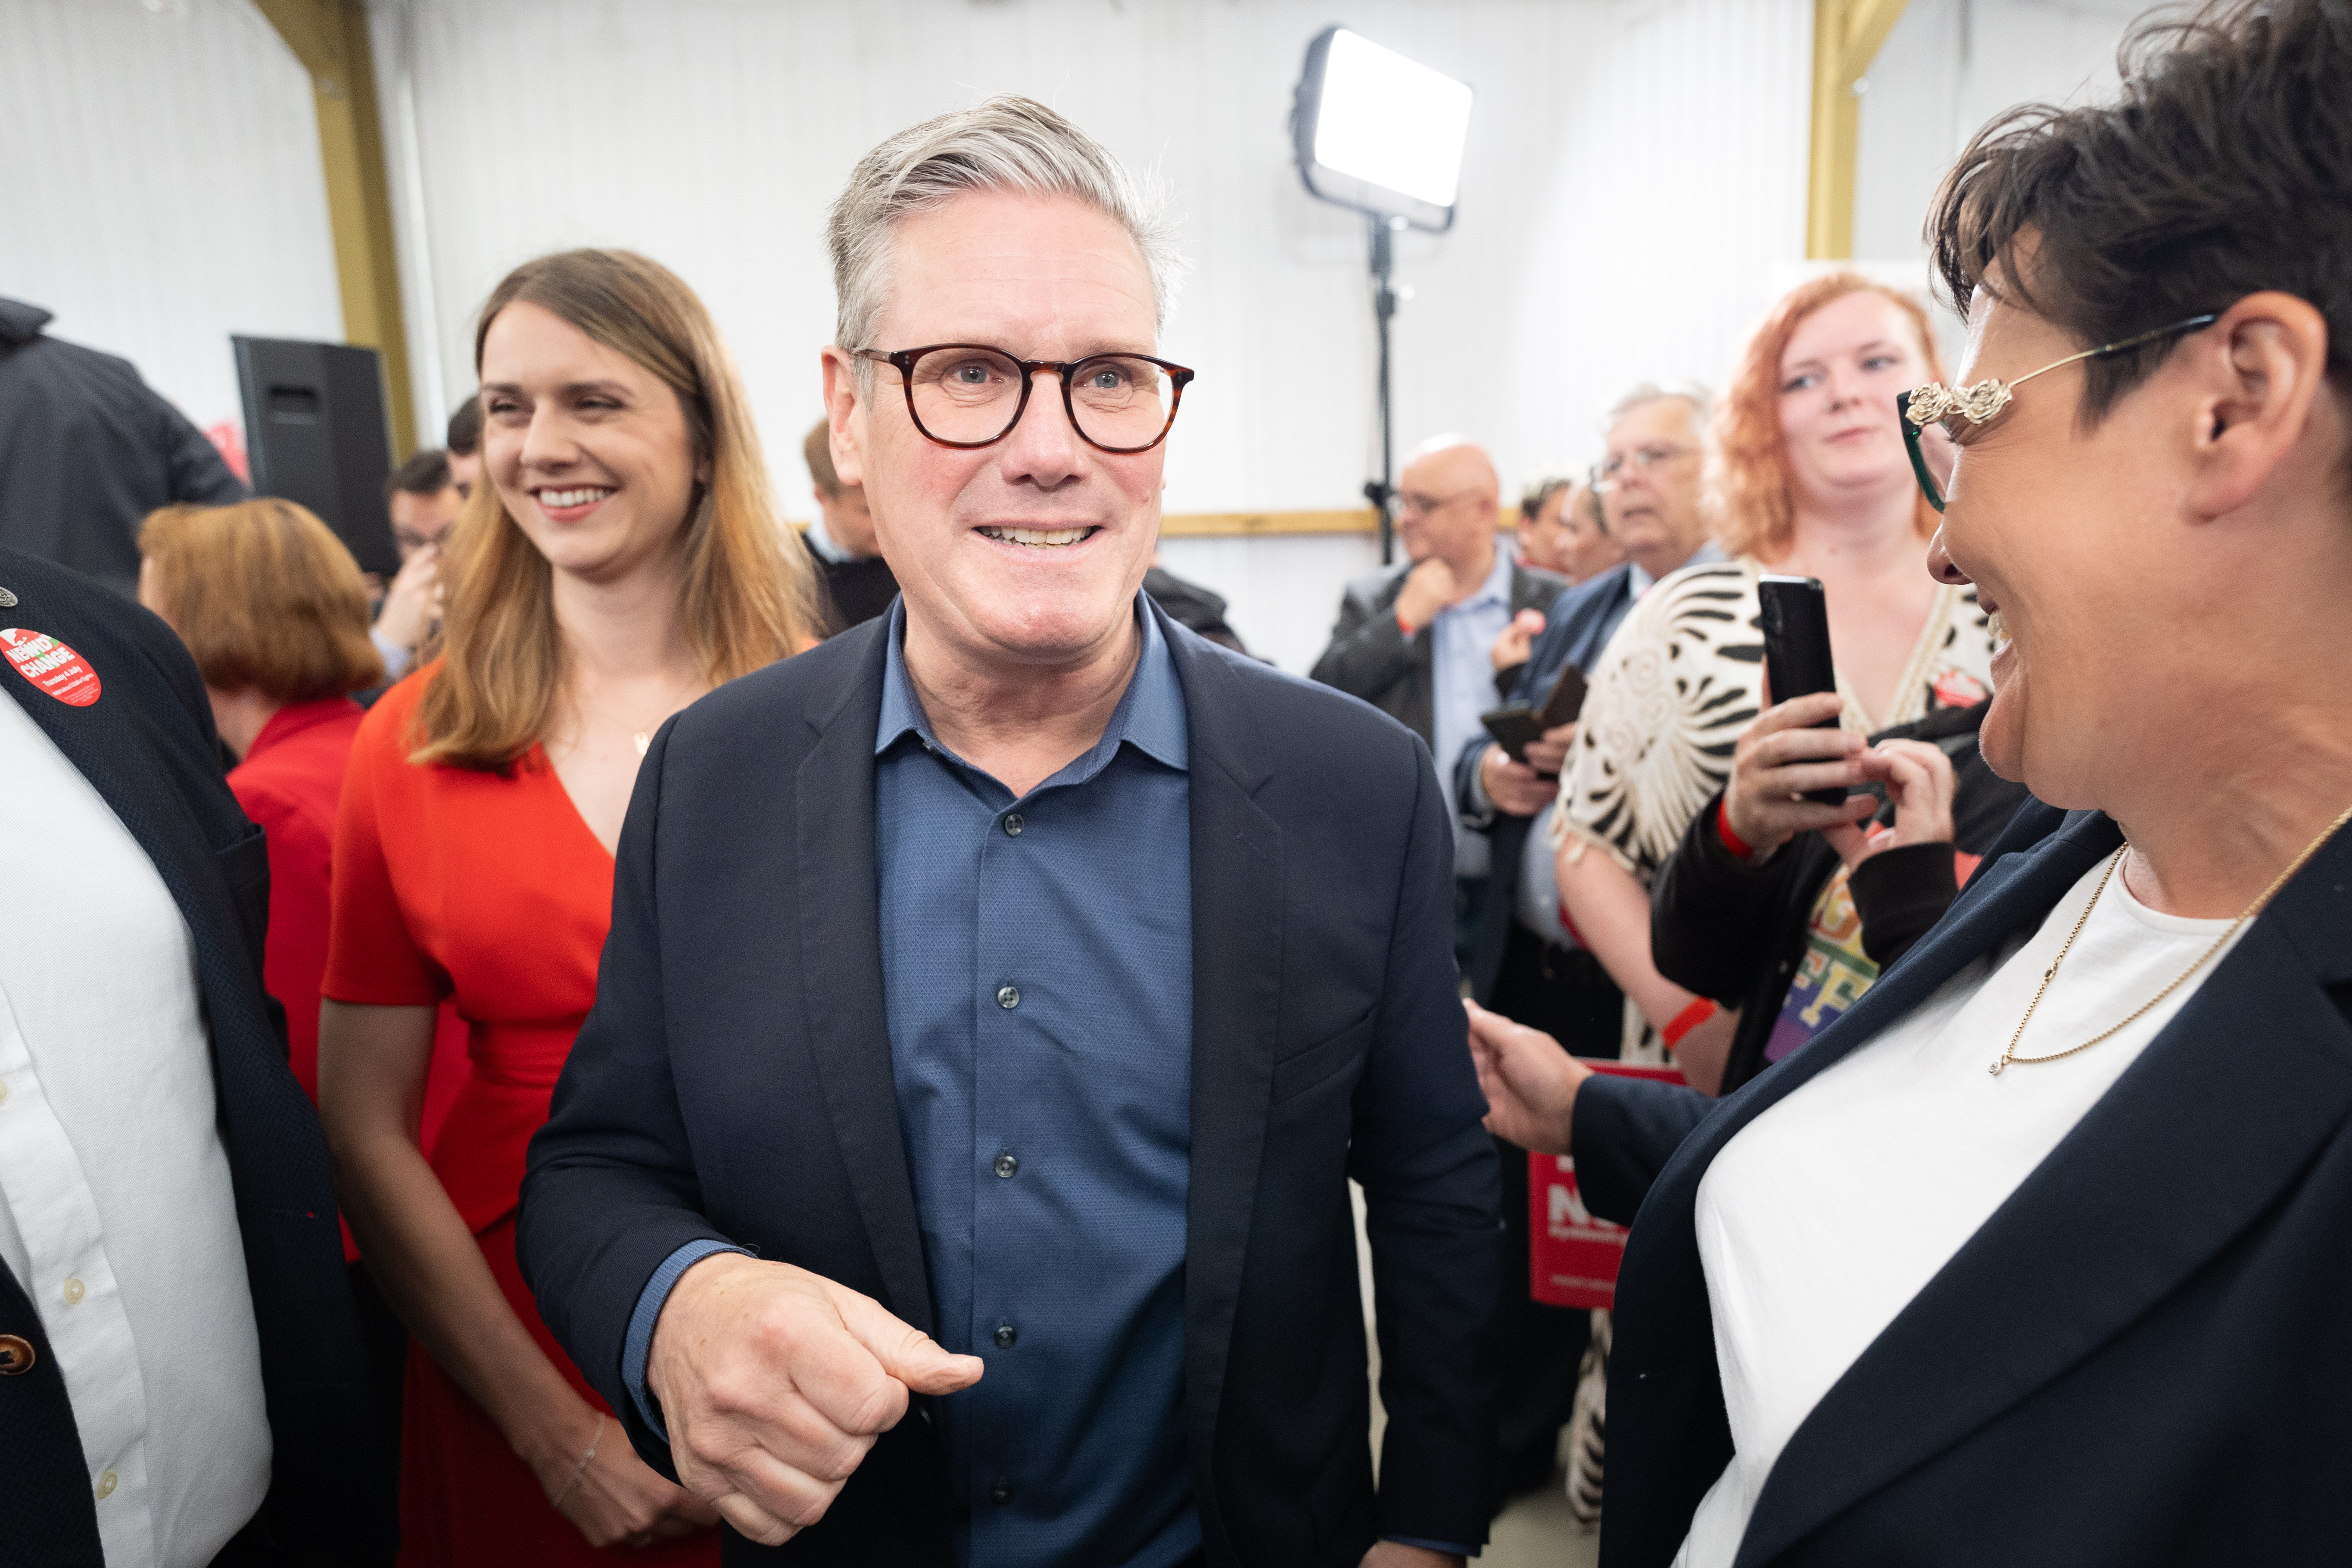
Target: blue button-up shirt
<point>1037,973</point>
<point>1462,687</point>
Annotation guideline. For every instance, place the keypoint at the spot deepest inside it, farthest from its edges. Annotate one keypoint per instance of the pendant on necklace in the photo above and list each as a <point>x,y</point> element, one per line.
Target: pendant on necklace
<point>644,742</point>
<point>8,600</point>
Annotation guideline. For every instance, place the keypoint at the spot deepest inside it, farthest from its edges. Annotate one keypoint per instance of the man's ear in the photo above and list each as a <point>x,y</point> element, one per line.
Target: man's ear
<point>2259,372</point>
<point>844,413</point>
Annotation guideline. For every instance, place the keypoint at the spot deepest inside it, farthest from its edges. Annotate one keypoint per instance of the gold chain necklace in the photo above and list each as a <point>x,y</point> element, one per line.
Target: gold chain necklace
<point>2009,1053</point>
<point>644,738</point>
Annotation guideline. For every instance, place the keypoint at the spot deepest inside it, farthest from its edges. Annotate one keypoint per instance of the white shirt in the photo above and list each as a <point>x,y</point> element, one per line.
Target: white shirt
<point>116,1212</point>
<point>1819,1220</point>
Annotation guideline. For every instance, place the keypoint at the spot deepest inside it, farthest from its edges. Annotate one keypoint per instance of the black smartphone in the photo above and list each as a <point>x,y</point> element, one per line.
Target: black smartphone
<point>1797,648</point>
<point>1567,698</point>
<point>1516,725</point>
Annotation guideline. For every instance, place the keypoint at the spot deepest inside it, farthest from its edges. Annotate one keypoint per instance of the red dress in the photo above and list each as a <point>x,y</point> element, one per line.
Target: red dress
<point>489,890</point>
<point>289,783</point>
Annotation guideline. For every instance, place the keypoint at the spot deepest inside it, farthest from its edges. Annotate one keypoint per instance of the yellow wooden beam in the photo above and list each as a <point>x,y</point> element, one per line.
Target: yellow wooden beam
<point>330,38</point>
<point>1846,38</point>
<point>1261,524</point>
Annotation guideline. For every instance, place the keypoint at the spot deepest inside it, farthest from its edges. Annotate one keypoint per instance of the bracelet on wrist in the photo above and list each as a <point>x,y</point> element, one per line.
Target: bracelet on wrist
<point>579,1470</point>
<point>1731,841</point>
<point>1689,1018</point>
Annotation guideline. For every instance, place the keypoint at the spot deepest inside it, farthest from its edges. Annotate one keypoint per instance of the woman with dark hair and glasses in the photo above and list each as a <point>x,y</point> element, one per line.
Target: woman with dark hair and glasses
<point>2038,1256</point>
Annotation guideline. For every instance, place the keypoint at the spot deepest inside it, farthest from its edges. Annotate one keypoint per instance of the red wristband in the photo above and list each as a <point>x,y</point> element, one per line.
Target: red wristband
<point>1731,841</point>
<point>1689,1018</point>
<point>1405,625</point>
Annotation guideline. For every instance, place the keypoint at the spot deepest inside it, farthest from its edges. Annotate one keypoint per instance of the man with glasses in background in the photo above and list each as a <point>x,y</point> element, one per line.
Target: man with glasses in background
<point>954,1167</point>
<point>1412,641</point>
<point>1526,964</point>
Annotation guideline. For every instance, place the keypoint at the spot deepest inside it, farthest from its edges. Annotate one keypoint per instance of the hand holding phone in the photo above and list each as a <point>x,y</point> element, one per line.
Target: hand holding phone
<point>1517,725</point>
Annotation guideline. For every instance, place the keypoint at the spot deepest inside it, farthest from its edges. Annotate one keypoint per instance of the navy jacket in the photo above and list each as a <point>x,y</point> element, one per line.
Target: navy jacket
<point>1370,655</point>
<point>734,1082</point>
<point>2140,1359</point>
<point>147,746</point>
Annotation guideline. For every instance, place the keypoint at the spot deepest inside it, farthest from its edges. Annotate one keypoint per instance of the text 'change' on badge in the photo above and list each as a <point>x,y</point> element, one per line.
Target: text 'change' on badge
<point>50,665</point>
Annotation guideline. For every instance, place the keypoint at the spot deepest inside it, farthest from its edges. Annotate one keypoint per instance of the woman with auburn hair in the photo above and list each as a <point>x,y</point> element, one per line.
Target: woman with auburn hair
<point>1808,478</point>
<point>622,556</point>
<point>275,610</point>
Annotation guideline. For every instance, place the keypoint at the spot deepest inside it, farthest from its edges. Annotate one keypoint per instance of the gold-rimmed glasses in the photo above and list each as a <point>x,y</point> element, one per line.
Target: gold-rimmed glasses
<point>1957,409</point>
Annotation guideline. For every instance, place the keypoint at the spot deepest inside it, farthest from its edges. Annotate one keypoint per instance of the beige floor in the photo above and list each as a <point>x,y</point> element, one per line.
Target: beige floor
<point>1536,1531</point>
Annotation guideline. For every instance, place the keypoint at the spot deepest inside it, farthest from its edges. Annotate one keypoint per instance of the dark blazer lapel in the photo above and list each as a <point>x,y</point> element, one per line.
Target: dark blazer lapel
<point>1237,928</point>
<point>841,976</point>
<point>2192,1144</point>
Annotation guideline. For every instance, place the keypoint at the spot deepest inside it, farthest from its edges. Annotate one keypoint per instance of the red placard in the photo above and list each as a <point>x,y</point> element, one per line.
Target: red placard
<point>50,665</point>
<point>1572,1253</point>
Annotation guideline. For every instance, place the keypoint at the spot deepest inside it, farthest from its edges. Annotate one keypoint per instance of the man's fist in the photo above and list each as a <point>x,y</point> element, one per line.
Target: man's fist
<point>1428,588</point>
<point>1511,650</point>
<point>775,1381</point>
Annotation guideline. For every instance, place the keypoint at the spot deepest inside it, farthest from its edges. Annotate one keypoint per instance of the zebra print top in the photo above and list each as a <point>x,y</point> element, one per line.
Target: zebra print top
<point>1683,677</point>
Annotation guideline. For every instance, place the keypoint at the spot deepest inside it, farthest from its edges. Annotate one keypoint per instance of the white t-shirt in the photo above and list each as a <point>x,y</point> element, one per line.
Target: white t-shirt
<point>1819,1220</point>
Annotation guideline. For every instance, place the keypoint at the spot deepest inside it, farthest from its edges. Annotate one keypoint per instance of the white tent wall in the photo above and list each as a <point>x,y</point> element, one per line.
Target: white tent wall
<point>164,186</point>
<point>1607,221</point>
<point>1948,66</point>
<point>1634,187</point>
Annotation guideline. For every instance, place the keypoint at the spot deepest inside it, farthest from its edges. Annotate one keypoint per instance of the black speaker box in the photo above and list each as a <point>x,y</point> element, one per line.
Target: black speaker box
<point>316,432</point>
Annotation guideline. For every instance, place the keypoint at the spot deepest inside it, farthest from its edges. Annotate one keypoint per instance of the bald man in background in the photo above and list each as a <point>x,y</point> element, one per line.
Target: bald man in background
<point>1412,641</point>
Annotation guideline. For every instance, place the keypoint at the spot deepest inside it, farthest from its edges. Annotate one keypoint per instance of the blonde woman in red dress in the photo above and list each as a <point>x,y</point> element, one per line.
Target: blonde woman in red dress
<point>623,557</point>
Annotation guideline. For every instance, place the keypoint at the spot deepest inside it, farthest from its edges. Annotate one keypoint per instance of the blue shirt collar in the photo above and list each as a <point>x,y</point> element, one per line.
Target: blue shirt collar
<point>1496,589</point>
<point>1150,715</point>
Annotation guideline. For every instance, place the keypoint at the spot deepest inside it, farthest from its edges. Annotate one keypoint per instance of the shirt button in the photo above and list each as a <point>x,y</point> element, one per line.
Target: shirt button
<point>1012,824</point>
<point>107,1480</point>
<point>4,1091</point>
<point>1002,1493</point>
<point>1007,1336</point>
<point>1007,1167</point>
<point>73,1291</point>
<point>1008,997</point>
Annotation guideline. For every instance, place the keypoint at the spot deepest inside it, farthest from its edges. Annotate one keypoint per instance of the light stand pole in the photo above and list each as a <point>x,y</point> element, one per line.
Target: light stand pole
<point>1382,490</point>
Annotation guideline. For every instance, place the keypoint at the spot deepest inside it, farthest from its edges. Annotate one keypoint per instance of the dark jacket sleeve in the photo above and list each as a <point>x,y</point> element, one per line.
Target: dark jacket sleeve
<point>1368,651</point>
<point>611,1189</point>
<point>1624,1132</point>
<point>1899,893</point>
<point>1715,922</point>
<point>198,475</point>
<point>1431,1192</point>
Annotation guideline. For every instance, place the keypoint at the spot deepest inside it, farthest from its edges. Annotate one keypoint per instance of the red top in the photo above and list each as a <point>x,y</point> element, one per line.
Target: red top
<point>488,890</point>
<point>289,783</point>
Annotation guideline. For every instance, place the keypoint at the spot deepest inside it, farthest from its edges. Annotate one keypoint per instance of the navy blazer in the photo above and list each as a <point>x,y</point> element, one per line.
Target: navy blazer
<point>147,746</point>
<point>2142,1358</point>
<point>734,1082</point>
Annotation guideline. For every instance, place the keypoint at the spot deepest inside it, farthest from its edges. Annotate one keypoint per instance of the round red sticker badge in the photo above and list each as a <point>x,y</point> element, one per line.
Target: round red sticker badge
<point>50,665</point>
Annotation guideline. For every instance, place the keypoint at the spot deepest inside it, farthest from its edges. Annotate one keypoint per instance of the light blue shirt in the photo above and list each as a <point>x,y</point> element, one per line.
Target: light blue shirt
<point>1462,686</point>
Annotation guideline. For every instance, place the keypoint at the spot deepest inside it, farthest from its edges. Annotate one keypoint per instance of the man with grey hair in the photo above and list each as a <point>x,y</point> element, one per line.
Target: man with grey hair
<point>1526,964</point>
<point>954,1168</point>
